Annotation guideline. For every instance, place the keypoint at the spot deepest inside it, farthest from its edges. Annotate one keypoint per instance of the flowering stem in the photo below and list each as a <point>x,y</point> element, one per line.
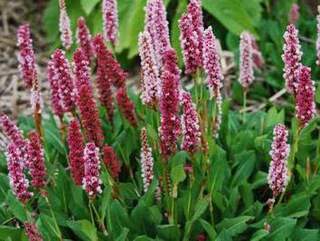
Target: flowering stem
<point>244,105</point>
<point>100,220</point>
<point>58,232</point>
<point>38,120</point>
<point>294,149</point>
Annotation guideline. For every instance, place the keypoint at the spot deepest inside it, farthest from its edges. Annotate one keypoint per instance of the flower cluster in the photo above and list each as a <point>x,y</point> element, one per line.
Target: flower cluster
<point>149,70</point>
<point>191,38</point>
<point>26,57</point>
<point>294,14</point>
<point>18,181</point>
<point>104,75</point>
<point>91,181</point>
<point>110,20</point>
<point>126,106</point>
<point>32,232</point>
<point>156,25</point>
<point>61,83</point>
<point>90,116</point>
<point>84,37</point>
<point>305,105</point>
<point>81,69</point>
<point>190,125</point>
<point>146,160</point>
<point>76,149</point>
<point>64,26</point>
<point>111,161</point>
<point>278,173</point>
<point>14,135</point>
<point>246,61</point>
<point>211,62</point>
<point>318,37</point>
<point>36,162</point>
<point>291,57</point>
<point>169,104</point>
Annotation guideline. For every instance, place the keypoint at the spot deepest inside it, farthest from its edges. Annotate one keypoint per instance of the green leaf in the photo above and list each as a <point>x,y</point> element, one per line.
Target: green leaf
<point>143,238</point>
<point>169,232</point>
<point>88,6</point>
<point>274,117</point>
<point>281,228</point>
<point>224,236</point>
<point>245,165</point>
<point>84,230</point>
<point>259,235</point>
<point>235,15</point>
<point>297,207</point>
<point>47,228</point>
<point>209,229</point>
<point>124,235</point>
<point>15,234</point>
<point>306,235</point>
<point>16,207</point>
<point>235,226</point>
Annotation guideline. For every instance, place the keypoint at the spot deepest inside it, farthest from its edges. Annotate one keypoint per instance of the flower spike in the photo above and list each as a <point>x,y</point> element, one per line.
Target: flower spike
<point>246,61</point>
<point>111,161</point>
<point>84,37</point>
<point>64,26</point>
<point>110,20</point>
<point>146,160</point>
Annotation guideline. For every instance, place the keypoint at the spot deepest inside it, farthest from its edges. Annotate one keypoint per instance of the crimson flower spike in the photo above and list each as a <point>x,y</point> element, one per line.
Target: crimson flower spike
<point>169,104</point>
<point>61,81</point>
<point>104,75</point>
<point>246,61</point>
<point>111,161</point>
<point>91,181</point>
<point>110,20</point>
<point>14,134</point>
<point>64,26</point>
<point>18,181</point>
<point>157,25</point>
<point>318,38</point>
<point>305,93</point>
<point>190,125</point>
<point>191,28</point>
<point>84,37</point>
<point>278,171</point>
<point>32,232</point>
<point>76,150</point>
<point>89,115</point>
<point>36,162</point>
<point>26,57</point>
<point>291,57</point>
<point>146,160</point>
<point>150,72</point>
<point>81,69</point>
<point>126,107</point>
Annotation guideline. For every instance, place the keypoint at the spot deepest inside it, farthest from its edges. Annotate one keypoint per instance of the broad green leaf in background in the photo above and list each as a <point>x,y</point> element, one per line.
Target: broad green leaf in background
<point>88,6</point>
<point>84,230</point>
<point>235,226</point>
<point>16,207</point>
<point>169,232</point>
<point>235,15</point>
<point>281,228</point>
<point>16,234</point>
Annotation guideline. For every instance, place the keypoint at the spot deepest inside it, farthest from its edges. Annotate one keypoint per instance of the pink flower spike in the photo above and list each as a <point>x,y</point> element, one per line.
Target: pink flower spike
<point>61,73</point>
<point>305,94</point>
<point>104,75</point>
<point>169,104</point>
<point>18,181</point>
<point>111,161</point>
<point>32,232</point>
<point>82,69</point>
<point>84,37</point>
<point>211,61</point>
<point>64,26</point>
<point>110,20</point>
<point>146,160</point>
<point>190,125</point>
<point>91,181</point>
<point>14,135</point>
<point>157,25</point>
<point>36,161</point>
<point>150,72</point>
<point>278,172</point>
<point>291,57</point>
<point>294,14</point>
<point>191,28</point>
<point>26,57</point>
<point>246,61</point>
<point>318,38</point>
<point>76,150</point>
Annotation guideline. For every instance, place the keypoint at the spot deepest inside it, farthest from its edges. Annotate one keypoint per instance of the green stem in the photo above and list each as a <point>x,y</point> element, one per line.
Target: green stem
<point>244,105</point>
<point>294,149</point>
<point>100,220</point>
<point>58,232</point>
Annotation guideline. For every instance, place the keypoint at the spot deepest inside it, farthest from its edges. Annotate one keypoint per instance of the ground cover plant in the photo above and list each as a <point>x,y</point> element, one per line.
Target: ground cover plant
<point>173,161</point>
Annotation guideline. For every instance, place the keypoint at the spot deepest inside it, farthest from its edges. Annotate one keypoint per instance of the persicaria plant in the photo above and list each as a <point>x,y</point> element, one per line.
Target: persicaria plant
<point>171,161</point>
